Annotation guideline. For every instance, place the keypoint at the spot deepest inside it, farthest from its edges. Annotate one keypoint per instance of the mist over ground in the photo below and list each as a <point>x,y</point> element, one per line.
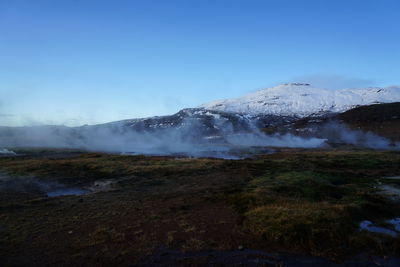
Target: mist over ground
<point>187,139</point>
<point>341,133</point>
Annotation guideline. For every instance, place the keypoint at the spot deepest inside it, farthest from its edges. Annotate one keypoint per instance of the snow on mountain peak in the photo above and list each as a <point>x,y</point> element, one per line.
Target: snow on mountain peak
<point>302,99</point>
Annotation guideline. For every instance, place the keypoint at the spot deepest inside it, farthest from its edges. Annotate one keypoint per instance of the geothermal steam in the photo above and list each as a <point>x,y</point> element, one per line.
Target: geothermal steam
<point>186,139</point>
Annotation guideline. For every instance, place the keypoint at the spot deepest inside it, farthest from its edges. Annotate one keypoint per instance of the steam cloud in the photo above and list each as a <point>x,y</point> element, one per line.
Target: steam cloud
<point>187,139</point>
<point>339,133</point>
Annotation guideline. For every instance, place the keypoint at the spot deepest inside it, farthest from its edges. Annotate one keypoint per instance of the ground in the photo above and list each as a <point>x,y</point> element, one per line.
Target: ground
<point>302,202</point>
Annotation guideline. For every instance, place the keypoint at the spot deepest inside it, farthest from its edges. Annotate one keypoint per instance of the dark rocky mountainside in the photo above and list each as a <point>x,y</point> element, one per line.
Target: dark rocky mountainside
<point>207,122</point>
<point>379,119</point>
<point>358,126</point>
<point>382,119</point>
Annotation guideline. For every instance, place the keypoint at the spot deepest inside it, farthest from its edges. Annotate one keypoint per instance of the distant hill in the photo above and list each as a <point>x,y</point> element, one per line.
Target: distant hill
<point>344,116</point>
<point>303,100</point>
<point>379,119</point>
<point>382,119</point>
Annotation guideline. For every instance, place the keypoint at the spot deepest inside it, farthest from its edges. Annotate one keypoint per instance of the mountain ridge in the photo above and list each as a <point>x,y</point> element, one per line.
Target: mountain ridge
<point>302,100</point>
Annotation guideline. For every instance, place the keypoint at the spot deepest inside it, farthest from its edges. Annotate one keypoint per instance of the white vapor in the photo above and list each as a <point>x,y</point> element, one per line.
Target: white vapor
<point>186,139</point>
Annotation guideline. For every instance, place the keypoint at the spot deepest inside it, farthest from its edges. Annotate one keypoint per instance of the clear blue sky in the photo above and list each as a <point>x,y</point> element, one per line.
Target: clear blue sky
<point>75,62</point>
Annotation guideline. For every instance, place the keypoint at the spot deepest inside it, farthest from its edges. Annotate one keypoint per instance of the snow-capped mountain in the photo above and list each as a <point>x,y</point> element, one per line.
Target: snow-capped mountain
<point>206,122</point>
<point>302,99</point>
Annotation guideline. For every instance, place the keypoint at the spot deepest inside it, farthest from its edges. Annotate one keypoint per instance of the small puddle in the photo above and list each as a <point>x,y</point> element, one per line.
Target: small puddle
<point>100,186</point>
<point>67,192</point>
<point>32,185</point>
<point>370,227</point>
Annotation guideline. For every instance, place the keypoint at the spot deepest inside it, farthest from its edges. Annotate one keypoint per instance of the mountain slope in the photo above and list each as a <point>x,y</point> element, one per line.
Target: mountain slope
<point>383,119</point>
<point>302,100</point>
<point>374,126</point>
<point>205,122</point>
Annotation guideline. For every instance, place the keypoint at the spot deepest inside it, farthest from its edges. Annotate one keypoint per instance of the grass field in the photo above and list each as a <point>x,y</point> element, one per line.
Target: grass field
<point>308,202</point>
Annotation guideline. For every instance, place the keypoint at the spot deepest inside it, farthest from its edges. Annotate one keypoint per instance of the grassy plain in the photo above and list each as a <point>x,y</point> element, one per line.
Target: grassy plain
<point>297,201</point>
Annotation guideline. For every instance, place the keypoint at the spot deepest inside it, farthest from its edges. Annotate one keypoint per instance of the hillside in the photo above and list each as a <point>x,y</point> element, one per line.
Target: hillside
<point>302,100</point>
<point>383,119</point>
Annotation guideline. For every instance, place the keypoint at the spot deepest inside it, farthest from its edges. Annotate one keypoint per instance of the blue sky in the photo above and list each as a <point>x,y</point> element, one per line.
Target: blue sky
<point>76,62</point>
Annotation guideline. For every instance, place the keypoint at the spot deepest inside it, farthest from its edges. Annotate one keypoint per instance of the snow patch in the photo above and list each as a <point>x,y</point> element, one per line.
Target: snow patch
<point>301,100</point>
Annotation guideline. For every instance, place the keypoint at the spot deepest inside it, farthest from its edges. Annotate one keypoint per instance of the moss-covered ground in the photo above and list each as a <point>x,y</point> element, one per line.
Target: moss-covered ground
<point>308,202</point>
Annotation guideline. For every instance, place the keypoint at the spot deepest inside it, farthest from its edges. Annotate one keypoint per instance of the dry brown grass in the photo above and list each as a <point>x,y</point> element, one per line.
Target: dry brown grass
<point>308,201</point>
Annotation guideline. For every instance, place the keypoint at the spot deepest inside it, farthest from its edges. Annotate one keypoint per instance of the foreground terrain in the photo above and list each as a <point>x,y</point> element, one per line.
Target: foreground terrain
<point>129,208</point>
